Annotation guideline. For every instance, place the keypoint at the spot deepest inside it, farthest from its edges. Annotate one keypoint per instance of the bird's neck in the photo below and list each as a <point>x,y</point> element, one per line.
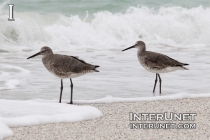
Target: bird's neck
<point>46,57</point>
<point>141,50</point>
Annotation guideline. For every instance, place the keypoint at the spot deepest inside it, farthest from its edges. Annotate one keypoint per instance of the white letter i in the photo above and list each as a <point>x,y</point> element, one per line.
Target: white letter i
<point>11,18</point>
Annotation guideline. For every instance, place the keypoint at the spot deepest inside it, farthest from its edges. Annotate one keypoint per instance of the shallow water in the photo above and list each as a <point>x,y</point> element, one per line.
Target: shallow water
<point>179,32</point>
<point>120,75</point>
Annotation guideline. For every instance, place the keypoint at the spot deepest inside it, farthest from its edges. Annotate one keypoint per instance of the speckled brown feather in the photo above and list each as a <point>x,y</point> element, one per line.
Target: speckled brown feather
<point>158,60</point>
<point>64,66</point>
<point>70,64</point>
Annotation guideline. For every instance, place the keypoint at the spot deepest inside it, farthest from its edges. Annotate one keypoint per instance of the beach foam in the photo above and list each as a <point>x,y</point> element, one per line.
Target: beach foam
<point>27,113</point>
<point>110,99</point>
<point>39,111</point>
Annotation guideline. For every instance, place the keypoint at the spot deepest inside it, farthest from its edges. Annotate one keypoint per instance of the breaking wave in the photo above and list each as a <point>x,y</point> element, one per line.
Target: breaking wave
<point>169,25</point>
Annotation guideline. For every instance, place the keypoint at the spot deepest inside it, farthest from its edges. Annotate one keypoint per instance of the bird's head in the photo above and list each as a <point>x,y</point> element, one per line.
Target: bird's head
<point>140,45</point>
<point>44,51</point>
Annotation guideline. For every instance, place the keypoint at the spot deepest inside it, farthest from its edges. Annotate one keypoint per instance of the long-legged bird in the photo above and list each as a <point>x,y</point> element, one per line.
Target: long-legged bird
<point>156,62</point>
<point>63,66</point>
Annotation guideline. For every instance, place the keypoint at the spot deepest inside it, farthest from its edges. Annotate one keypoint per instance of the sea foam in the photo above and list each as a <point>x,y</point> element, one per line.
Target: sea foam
<point>27,113</point>
<point>176,26</point>
<point>12,76</point>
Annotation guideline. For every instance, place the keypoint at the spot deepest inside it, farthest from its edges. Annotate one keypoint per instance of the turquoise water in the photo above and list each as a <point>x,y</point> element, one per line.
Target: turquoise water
<point>79,7</point>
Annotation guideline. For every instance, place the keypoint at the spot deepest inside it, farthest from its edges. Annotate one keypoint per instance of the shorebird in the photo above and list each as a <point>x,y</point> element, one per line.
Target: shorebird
<point>63,66</point>
<point>156,62</point>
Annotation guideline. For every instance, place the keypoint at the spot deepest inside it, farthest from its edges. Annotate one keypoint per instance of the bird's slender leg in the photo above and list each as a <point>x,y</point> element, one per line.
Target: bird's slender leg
<point>160,83</point>
<point>61,90</point>
<point>155,85</point>
<point>71,100</point>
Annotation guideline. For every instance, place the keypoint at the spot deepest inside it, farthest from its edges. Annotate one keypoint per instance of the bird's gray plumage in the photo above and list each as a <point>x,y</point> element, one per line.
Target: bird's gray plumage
<point>156,62</point>
<point>64,66</point>
<point>67,66</point>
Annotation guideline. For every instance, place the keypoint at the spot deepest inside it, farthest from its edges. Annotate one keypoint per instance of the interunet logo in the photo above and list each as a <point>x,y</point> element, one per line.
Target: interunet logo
<point>162,117</point>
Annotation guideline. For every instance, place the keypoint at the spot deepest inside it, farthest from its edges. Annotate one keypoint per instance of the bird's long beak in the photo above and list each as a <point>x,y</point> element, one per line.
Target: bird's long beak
<point>34,55</point>
<point>129,48</point>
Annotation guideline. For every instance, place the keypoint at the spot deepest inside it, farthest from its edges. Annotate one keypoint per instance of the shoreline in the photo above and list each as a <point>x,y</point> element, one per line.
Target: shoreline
<point>115,124</point>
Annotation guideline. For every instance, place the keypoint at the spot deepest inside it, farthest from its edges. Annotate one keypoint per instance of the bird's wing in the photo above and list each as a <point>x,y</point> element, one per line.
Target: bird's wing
<point>158,60</point>
<point>64,64</point>
<point>77,58</point>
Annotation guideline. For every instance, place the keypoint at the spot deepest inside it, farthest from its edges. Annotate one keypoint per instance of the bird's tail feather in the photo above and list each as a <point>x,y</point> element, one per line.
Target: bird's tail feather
<point>185,68</point>
<point>96,66</point>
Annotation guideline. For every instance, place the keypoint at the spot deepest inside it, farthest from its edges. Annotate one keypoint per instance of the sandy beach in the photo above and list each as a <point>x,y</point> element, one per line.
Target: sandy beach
<point>115,124</point>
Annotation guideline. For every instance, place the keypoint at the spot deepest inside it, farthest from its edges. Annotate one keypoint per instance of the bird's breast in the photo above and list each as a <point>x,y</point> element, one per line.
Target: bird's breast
<point>145,65</point>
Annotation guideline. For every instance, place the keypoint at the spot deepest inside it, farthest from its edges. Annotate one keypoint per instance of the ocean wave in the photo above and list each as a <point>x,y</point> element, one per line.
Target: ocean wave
<point>12,76</point>
<point>169,25</point>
